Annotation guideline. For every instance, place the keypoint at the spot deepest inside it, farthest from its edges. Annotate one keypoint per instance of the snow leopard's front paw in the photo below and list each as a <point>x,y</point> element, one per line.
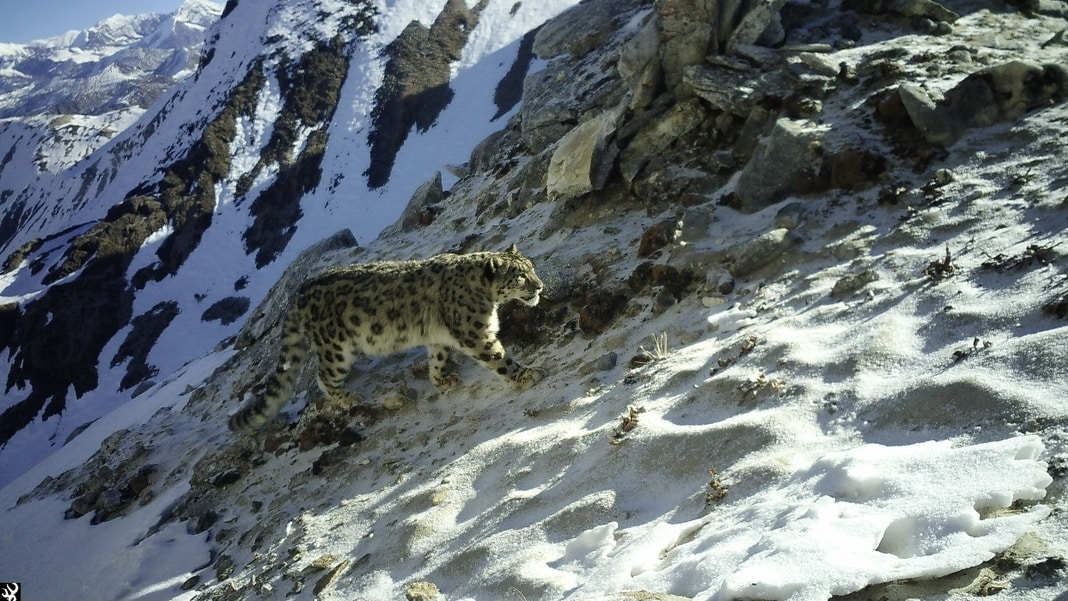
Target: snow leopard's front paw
<point>445,381</point>
<point>529,376</point>
<point>344,400</point>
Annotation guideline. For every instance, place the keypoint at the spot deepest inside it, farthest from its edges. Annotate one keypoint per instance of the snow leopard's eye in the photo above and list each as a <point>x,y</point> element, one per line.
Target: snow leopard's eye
<point>521,280</point>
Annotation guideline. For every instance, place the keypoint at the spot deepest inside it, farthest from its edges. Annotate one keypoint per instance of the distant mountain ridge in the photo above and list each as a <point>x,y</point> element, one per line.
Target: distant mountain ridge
<point>121,62</point>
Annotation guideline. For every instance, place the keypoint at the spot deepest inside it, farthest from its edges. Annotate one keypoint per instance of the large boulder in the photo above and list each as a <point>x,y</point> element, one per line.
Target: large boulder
<point>790,148</point>
<point>584,157</point>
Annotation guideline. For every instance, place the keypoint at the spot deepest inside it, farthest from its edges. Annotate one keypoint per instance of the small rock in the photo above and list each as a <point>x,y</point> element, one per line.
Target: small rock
<point>80,506</point>
<point>695,222</point>
<point>791,147</point>
<point>605,362</point>
<point>202,522</point>
<point>820,63</point>
<point>674,280</point>
<point>330,578</point>
<point>323,562</point>
<point>422,591</point>
<point>855,169</point>
<point>711,302</point>
<point>849,250</point>
<point>790,216</point>
<point>733,91</point>
<point>762,23</point>
<point>642,358</point>
<point>761,251</point>
<point>934,123</point>
<point>663,300</point>
<point>660,235</point>
<point>109,500</point>
<point>422,207</point>
<point>190,583</point>
<point>226,477</point>
<point>801,106</point>
<point>852,283</point>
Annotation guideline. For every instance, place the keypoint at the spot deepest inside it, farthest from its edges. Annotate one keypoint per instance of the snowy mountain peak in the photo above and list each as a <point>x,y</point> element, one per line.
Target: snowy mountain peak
<point>121,30</point>
<point>120,62</point>
<point>116,31</point>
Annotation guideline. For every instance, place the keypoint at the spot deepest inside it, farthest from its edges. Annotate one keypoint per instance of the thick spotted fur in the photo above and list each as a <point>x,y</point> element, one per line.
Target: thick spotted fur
<point>445,302</point>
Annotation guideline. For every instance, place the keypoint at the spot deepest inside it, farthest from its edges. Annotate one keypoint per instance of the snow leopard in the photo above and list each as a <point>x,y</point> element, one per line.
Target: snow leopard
<point>448,301</point>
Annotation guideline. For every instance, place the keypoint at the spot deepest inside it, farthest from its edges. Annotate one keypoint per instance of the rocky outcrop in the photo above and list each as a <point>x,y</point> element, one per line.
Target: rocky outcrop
<point>995,94</point>
<point>416,83</point>
<point>145,331</point>
<point>311,88</point>
<point>422,207</point>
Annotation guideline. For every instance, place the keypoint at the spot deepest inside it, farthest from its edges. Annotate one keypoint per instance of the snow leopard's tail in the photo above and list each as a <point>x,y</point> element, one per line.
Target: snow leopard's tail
<point>268,400</point>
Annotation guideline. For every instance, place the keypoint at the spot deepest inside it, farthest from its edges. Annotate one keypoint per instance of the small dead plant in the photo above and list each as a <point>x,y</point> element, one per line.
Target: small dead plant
<point>752,387</point>
<point>716,491</point>
<point>629,421</point>
<point>659,352</point>
<point>978,345</point>
<point>941,269</point>
<point>660,347</point>
<point>747,347</point>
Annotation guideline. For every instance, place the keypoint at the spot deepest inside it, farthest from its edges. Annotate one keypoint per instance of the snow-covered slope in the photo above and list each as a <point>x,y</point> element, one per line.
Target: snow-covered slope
<point>795,348</point>
<point>256,156</point>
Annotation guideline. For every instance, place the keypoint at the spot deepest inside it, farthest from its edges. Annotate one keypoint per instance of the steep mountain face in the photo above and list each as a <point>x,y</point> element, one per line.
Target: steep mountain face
<point>772,233</point>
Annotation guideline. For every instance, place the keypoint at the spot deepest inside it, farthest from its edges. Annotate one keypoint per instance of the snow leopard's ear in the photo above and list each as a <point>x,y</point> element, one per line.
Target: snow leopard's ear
<point>493,265</point>
<point>513,250</point>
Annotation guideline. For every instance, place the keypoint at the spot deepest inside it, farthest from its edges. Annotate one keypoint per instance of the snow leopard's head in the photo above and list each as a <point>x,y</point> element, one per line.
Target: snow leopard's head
<point>513,277</point>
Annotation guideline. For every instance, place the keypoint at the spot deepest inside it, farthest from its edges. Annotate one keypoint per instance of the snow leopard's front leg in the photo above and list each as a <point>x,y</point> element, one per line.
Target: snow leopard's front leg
<point>491,354</point>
